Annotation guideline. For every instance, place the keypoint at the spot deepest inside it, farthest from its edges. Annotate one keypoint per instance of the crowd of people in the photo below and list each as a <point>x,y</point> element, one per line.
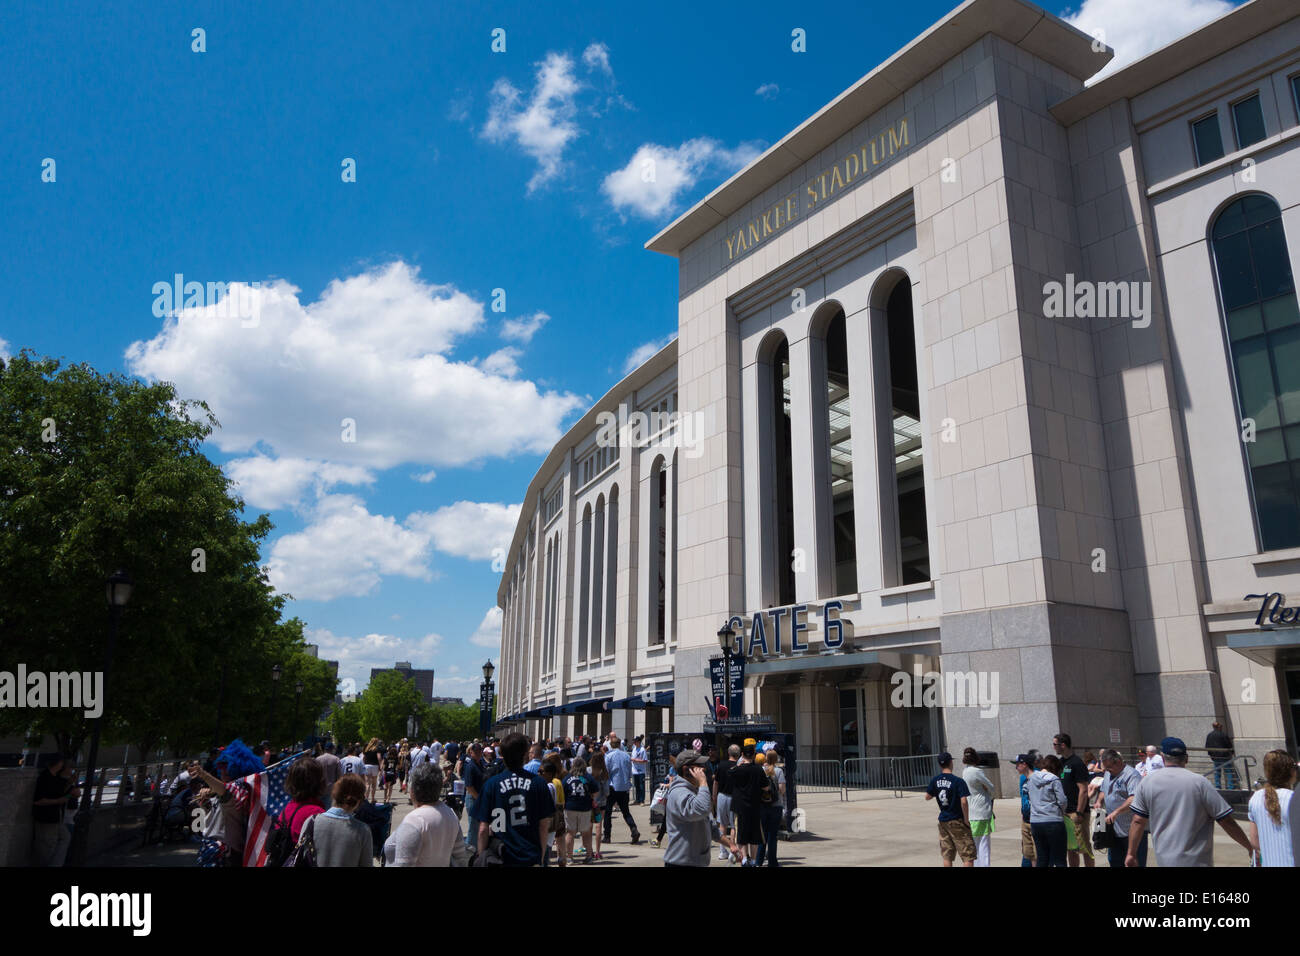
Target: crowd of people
<point>522,802</point>
<point>1073,807</point>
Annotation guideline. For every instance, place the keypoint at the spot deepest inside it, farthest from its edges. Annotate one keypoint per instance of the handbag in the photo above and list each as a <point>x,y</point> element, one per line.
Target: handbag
<point>304,853</point>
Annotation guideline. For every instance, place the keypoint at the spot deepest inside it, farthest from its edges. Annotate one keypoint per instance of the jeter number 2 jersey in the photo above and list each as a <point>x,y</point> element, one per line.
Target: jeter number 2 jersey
<point>513,804</point>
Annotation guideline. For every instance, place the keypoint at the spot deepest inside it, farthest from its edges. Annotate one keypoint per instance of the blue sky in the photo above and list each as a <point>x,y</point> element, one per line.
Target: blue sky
<point>475,171</point>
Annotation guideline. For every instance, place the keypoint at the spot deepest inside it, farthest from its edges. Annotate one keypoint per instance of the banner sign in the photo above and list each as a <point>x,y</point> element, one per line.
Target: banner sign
<point>717,669</point>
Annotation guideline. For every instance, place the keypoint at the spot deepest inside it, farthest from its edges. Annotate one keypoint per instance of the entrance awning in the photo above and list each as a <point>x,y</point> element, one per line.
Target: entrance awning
<point>812,662</point>
<point>539,712</point>
<point>638,702</point>
<point>593,706</point>
<point>1268,647</point>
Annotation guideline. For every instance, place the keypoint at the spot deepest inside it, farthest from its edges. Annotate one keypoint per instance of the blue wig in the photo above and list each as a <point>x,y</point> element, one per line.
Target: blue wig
<point>239,760</point>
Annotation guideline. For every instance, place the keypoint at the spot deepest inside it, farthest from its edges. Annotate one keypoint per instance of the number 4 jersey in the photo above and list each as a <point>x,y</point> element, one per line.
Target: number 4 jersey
<point>513,805</point>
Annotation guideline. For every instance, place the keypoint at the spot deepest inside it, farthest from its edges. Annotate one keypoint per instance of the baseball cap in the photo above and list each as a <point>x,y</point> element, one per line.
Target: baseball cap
<point>1173,747</point>
<point>1024,758</point>
<point>945,758</point>
<point>690,758</point>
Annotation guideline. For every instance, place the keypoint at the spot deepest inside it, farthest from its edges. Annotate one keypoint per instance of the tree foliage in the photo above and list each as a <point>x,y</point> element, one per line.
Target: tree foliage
<point>100,472</point>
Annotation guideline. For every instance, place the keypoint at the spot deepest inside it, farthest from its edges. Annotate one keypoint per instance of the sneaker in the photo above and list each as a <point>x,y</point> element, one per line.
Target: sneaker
<point>595,856</point>
<point>636,838</point>
<point>590,859</point>
<point>655,844</point>
<point>723,855</point>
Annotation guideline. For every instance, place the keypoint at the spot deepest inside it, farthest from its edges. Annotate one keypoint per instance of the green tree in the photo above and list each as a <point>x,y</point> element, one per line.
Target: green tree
<point>100,472</point>
<point>388,700</point>
<point>345,723</point>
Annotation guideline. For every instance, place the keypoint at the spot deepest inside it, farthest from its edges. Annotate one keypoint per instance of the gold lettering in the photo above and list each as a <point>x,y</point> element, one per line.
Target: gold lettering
<point>902,125</point>
<point>767,223</point>
<point>740,241</point>
<point>822,179</point>
<point>812,195</point>
<point>852,158</point>
<point>753,232</point>
<point>777,209</point>
<point>837,181</point>
<point>731,251</point>
<point>791,210</point>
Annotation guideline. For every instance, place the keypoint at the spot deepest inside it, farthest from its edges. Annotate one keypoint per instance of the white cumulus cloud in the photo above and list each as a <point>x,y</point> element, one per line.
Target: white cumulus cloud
<point>344,551</point>
<point>488,633</point>
<point>475,530</point>
<point>655,178</point>
<point>271,483</point>
<point>1133,29</point>
<point>523,329</point>
<point>357,655</point>
<point>643,352</point>
<point>542,123</point>
<point>372,350</point>
<point>5,354</point>
<point>768,91</point>
<point>596,57</point>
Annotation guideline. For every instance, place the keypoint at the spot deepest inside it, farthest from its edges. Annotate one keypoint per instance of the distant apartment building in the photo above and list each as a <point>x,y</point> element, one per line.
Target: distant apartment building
<point>423,678</point>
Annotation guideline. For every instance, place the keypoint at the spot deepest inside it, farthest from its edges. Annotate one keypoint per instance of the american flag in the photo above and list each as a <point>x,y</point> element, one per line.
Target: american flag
<point>266,800</point>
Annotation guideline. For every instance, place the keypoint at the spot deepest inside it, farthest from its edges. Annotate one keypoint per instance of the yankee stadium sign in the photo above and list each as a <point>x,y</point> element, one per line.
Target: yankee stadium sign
<point>830,183</point>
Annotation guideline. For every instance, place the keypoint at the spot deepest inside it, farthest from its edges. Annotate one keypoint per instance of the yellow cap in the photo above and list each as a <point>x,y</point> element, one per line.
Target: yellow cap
<point>751,742</point>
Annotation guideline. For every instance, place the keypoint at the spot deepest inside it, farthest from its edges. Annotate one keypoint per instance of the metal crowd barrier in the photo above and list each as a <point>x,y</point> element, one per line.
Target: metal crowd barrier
<point>899,774</point>
<point>819,776</point>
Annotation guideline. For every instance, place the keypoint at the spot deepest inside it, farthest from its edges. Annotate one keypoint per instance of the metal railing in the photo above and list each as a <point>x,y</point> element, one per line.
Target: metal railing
<point>861,774</point>
<point>819,776</point>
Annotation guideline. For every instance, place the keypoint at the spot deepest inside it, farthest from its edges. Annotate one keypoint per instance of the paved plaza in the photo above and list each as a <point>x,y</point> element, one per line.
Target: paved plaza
<point>871,829</point>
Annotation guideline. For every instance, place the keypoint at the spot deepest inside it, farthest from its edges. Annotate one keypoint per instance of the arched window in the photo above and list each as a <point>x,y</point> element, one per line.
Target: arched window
<point>658,552</point>
<point>904,414</point>
<point>672,577</point>
<point>584,581</point>
<point>1258,294</point>
<point>597,578</point>
<point>839,441</point>
<point>779,473</point>
<point>611,572</point>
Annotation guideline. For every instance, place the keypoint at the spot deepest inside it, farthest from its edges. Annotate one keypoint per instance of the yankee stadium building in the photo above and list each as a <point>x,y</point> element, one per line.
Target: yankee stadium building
<point>984,381</point>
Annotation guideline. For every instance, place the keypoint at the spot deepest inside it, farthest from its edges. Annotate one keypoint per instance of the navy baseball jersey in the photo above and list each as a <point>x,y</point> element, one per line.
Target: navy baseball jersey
<point>948,790</point>
<point>513,804</point>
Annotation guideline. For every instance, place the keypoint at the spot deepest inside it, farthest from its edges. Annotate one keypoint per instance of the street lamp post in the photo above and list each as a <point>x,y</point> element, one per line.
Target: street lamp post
<point>275,684</point>
<point>119,592</point>
<point>297,699</point>
<point>485,700</point>
<point>726,640</point>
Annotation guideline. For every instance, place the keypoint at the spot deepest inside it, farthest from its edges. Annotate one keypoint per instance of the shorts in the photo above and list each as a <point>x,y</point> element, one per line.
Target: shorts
<point>955,838</point>
<point>724,811</point>
<point>1072,841</point>
<point>578,821</point>
<point>1026,841</point>
<point>749,829</point>
<point>372,770</point>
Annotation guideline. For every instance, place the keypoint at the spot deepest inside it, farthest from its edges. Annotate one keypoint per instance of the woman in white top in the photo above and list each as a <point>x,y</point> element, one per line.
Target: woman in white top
<point>980,804</point>
<point>1270,811</point>
<point>430,835</point>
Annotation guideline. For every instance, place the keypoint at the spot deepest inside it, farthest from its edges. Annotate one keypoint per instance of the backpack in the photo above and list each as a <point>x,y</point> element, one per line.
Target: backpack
<point>280,844</point>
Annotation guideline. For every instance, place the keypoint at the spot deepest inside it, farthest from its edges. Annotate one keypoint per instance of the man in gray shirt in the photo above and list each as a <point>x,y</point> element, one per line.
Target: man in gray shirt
<point>1117,789</point>
<point>1181,808</point>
